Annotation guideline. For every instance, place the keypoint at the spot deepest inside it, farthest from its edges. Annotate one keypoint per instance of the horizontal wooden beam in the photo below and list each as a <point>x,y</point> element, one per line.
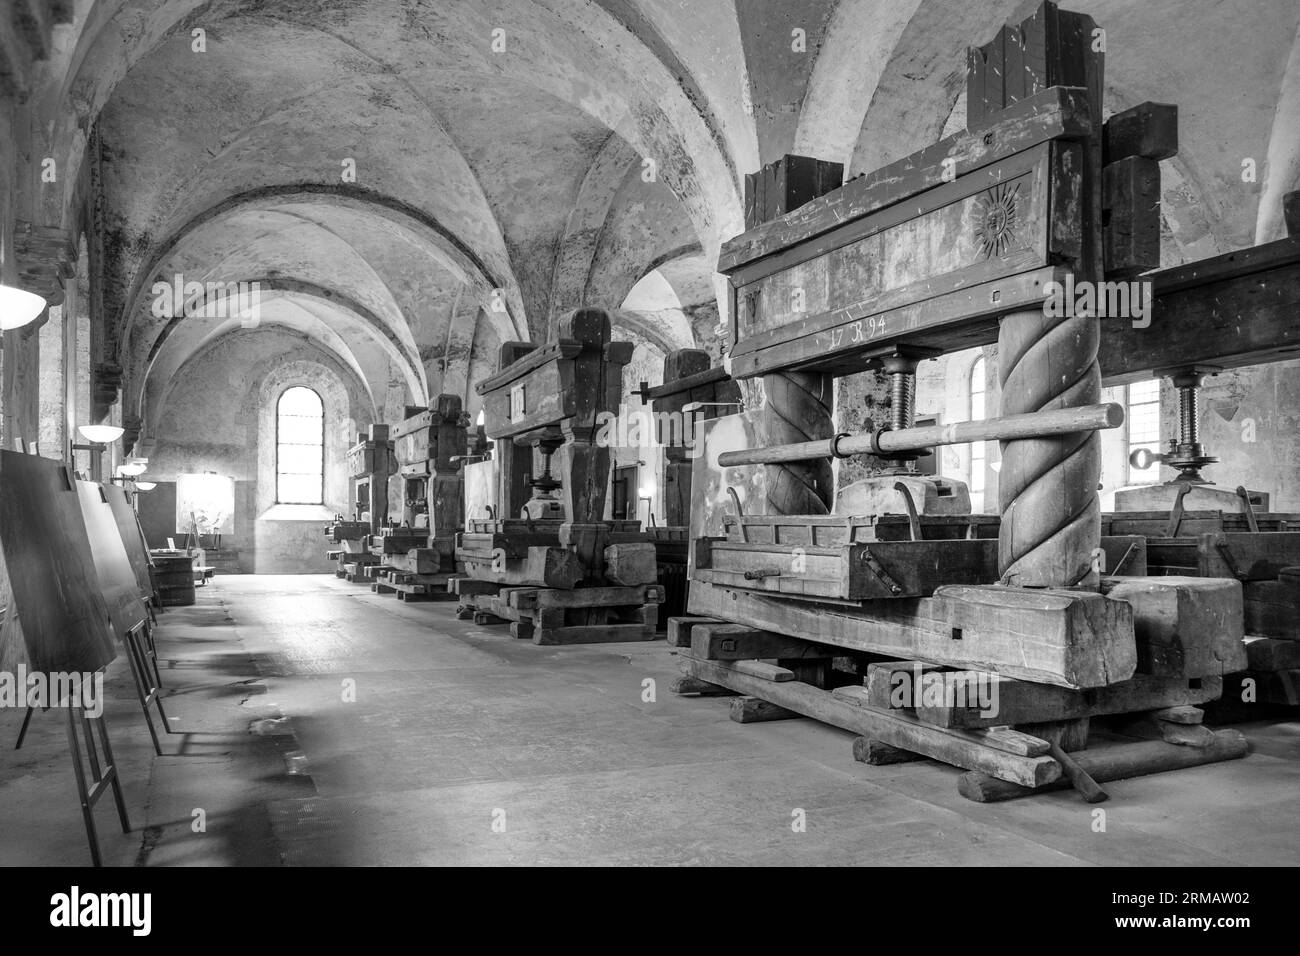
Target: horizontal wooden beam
<point>1233,310</point>
<point>1067,638</point>
<point>1053,113</point>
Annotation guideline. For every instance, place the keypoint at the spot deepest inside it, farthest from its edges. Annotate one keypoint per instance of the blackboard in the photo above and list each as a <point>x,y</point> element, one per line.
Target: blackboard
<point>55,593</point>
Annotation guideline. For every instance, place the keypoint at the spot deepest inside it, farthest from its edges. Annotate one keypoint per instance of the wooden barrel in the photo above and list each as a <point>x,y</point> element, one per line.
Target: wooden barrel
<point>174,574</point>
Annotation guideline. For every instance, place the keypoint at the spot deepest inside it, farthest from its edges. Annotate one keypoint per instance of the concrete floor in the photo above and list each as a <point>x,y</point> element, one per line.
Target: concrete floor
<point>453,727</point>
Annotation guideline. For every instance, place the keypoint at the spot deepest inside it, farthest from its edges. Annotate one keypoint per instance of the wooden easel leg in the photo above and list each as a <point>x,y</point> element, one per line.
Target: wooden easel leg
<point>115,780</point>
<point>138,663</point>
<point>22,731</point>
<point>152,650</point>
<point>83,793</point>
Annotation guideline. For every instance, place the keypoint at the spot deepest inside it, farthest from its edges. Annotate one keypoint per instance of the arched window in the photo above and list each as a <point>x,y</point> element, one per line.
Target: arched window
<point>299,448</point>
<point>977,457</point>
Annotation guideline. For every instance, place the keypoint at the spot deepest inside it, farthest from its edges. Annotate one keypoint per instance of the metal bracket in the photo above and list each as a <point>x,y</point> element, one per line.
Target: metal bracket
<point>878,570</point>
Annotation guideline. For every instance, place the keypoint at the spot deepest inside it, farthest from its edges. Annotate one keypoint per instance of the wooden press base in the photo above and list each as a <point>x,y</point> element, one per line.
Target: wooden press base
<point>597,615</point>
<point>782,677</point>
<point>409,586</point>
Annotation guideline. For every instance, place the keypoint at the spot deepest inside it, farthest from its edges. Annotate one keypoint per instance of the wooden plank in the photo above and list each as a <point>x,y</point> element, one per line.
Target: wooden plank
<point>715,641</point>
<point>1022,702</point>
<point>1119,762</point>
<point>681,629</point>
<point>593,634</point>
<point>1070,638</point>
<point>999,738</point>
<point>1184,626</point>
<point>600,597</point>
<point>907,568</point>
<point>954,747</point>
<point>1053,113</point>
<point>858,287</point>
<point>1237,309</point>
<point>762,670</point>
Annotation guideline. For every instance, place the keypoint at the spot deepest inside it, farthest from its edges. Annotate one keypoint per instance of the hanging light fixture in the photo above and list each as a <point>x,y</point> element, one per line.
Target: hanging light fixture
<point>145,485</point>
<point>18,307</point>
<point>131,469</point>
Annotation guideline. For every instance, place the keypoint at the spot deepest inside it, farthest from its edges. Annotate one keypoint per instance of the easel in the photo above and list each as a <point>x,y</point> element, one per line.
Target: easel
<point>103,775</point>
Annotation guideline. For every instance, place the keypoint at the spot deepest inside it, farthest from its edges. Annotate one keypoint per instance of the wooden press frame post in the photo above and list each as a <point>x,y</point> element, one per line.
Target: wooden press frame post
<point>1047,490</point>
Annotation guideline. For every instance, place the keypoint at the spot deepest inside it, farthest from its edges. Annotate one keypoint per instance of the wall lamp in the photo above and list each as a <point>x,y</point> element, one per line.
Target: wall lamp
<point>98,437</point>
<point>18,307</point>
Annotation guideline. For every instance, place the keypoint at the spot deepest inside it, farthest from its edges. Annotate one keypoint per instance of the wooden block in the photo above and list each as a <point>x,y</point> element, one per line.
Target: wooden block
<point>1069,638</point>
<point>464,613</point>
<point>1185,735</point>
<point>786,184</point>
<point>522,630</point>
<point>1184,626</point>
<point>878,753</point>
<point>1131,198</point>
<point>484,619</point>
<point>631,564</point>
<point>959,748</point>
<point>593,634</point>
<point>1146,131</point>
<point>750,710</point>
<point>1183,714</point>
<point>523,599</point>
<point>1118,762</point>
<point>1272,654</point>
<point>733,642</point>
<point>680,629</point>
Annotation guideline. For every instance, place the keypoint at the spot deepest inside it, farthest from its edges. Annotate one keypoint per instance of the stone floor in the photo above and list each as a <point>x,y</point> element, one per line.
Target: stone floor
<point>322,724</point>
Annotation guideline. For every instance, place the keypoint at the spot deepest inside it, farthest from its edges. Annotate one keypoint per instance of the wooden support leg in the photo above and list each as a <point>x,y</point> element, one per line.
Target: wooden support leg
<point>798,409</point>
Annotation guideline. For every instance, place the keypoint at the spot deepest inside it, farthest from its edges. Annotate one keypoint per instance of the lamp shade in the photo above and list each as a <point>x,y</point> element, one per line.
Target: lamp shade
<point>18,307</point>
<point>101,434</point>
<point>132,468</point>
<point>145,485</point>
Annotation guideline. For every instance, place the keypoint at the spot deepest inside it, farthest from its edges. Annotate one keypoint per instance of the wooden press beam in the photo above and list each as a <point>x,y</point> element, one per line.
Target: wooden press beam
<point>1241,308</point>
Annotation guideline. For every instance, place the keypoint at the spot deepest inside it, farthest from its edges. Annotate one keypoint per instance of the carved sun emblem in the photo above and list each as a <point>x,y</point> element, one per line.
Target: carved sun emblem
<point>997,219</point>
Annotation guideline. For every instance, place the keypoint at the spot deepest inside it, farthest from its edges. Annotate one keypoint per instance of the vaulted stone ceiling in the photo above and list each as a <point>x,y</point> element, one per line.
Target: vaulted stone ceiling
<point>517,158</point>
